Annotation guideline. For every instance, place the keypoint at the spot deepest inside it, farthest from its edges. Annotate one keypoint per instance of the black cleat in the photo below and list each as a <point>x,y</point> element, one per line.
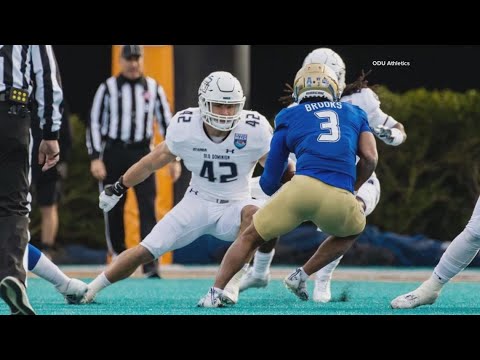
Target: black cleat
<point>13,292</point>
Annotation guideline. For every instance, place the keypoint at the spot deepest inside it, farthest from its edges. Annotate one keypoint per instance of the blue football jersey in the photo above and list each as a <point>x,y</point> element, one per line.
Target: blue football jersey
<point>324,138</point>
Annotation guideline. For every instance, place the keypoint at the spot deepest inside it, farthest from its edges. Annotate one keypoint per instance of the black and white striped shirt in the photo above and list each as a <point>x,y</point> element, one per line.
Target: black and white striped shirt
<point>18,65</point>
<point>124,110</point>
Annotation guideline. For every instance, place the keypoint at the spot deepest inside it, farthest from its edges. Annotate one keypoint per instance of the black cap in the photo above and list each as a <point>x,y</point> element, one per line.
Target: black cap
<point>132,50</point>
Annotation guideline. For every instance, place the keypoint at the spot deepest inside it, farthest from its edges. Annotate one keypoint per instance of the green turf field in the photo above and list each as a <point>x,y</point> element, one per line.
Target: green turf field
<point>179,297</point>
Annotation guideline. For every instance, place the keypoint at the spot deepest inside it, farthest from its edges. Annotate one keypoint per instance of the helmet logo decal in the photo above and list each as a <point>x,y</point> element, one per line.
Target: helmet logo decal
<point>206,84</point>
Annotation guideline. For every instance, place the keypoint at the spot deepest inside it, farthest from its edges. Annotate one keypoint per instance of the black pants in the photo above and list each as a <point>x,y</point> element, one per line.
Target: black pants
<point>14,167</point>
<point>118,159</point>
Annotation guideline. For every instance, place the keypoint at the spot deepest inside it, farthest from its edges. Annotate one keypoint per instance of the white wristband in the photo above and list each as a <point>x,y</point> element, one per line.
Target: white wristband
<point>396,137</point>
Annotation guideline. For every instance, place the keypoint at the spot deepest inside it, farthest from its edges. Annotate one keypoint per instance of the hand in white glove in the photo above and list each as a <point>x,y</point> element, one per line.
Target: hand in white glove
<point>390,136</point>
<point>383,132</point>
<point>111,195</point>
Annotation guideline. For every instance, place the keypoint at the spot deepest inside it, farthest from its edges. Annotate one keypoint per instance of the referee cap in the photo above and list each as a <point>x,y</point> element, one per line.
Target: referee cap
<point>132,50</point>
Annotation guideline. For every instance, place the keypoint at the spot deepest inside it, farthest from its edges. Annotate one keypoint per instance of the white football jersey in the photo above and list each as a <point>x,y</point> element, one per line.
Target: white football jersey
<point>368,101</point>
<point>220,171</point>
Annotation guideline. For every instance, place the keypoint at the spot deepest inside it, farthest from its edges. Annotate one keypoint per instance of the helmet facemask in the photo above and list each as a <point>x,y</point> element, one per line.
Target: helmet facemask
<point>221,87</point>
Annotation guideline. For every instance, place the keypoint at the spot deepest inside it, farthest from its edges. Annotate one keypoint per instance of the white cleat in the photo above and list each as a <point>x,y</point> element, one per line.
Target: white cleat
<point>251,280</point>
<point>418,297</point>
<point>211,299</point>
<point>89,297</point>
<point>322,292</point>
<point>74,291</point>
<point>295,284</point>
<point>230,294</point>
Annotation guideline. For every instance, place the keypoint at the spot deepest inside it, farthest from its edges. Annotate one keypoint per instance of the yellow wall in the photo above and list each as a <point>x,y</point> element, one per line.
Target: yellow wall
<point>158,65</point>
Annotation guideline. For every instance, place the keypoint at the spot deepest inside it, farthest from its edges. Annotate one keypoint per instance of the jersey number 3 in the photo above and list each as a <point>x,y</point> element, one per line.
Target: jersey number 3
<point>207,171</point>
<point>330,131</point>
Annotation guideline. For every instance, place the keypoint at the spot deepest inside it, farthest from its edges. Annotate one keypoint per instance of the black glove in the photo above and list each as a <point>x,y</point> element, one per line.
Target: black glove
<point>117,189</point>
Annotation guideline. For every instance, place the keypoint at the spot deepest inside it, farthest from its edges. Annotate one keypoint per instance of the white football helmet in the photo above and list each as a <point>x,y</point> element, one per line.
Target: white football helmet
<point>330,58</point>
<point>220,87</point>
<point>315,80</point>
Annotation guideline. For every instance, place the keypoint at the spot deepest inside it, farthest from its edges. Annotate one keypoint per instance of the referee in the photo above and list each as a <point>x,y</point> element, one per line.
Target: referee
<point>20,67</point>
<point>119,134</point>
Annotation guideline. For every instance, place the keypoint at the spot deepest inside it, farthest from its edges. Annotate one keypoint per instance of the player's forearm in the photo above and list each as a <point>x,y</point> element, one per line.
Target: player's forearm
<point>269,185</point>
<point>365,169</point>
<point>289,171</point>
<point>141,170</point>
<point>271,179</point>
<point>137,173</point>
<point>276,163</point>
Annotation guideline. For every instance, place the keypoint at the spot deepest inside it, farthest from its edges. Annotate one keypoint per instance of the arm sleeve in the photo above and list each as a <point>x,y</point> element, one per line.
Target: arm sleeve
<point>378,117</point>
<point>371,104</point>
<point>162,110</point>
<point>48,90</point>
<point>94,136</point>
<point>276,163</point>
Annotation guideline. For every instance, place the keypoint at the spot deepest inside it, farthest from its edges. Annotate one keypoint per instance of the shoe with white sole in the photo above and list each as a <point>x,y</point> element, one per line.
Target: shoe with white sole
<point>89,297</point>
<point>74,291</point>
<point>295,284</point>
<point>13,292</point>
<point>252,280</point>
<point>322,292</point>
<point>211,299</point>
<point>230,293</point>
<point>418,297</point>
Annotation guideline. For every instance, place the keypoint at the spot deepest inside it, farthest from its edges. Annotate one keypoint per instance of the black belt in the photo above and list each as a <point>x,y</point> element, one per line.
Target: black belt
<point>125,145</point>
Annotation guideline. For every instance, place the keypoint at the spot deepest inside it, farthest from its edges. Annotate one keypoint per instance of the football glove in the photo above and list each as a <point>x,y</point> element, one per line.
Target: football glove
<point>390,136</point>
<point>111,195</point>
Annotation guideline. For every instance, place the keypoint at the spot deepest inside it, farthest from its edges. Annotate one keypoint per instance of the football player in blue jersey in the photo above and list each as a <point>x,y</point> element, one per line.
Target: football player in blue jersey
<point>326,136</point>
<point>384,126</point>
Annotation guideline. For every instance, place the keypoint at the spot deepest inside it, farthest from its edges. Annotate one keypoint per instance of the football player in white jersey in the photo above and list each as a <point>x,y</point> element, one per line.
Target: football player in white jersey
<point>220,143</point>
<point>459,254</point>
<point>385,127</point>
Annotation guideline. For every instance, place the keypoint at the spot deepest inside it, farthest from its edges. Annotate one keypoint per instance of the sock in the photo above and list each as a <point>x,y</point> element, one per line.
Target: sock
<point>433,283</point>
<point>47,270</point>
<point>235,280</point>
<point>303,274</point>
<point>33,256</point>
<point>326,272</point>
<point>261,263</point>
<point>457,257</point>
<point>99,283</point>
